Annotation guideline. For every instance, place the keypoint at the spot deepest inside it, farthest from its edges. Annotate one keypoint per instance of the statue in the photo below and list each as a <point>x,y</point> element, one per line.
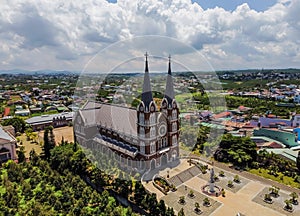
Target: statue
<point>212,181</point>
<point>212,174</point>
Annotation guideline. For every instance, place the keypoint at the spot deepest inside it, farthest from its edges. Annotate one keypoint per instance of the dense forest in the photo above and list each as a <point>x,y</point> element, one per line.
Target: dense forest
<point>67,183</point>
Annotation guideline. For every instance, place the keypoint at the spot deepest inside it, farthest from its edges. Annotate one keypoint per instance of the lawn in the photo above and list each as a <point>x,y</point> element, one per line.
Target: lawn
<point>280,178</point>
<point>29,146</point>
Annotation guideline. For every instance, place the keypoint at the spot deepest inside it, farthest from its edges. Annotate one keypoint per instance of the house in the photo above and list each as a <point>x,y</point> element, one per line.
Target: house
<point>22,112</point>
<point>7,146</point>
<point>287,138</point>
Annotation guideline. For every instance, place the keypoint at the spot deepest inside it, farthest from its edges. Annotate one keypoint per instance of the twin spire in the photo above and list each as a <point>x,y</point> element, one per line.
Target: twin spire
<point>147,97</point>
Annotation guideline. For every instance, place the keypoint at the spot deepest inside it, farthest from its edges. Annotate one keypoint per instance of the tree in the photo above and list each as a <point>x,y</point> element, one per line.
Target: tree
<point>236,179</point>
<point>206,202</point>
<point>52,137</point>
<point>170,212</point>
<point>33,157</point>
<point>49,141</point>
<point>197,207</point>
<point>294,197</point>
<point>46,143</point>
<point>18,123</point>
<point>221,173</point>
<point>21,155</point>
<point>230,183</point>
<point>288,204</point>
<point>181,212</point>
<point>182,200</point>
<point>298,162</point>
<point>162,207</point>
<point>191,194</point>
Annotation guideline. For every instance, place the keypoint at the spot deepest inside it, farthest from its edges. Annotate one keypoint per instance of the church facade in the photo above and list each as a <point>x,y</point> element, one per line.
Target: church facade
<point>140,139</point>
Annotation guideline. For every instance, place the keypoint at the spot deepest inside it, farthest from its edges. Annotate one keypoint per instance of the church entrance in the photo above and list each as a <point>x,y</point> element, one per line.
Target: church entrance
<point>152,164</point>
<point>164,159</point>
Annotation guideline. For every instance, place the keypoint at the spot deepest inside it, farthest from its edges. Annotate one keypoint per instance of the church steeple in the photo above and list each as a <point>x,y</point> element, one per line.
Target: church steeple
<point>147,93</point>
<point>169,93</point>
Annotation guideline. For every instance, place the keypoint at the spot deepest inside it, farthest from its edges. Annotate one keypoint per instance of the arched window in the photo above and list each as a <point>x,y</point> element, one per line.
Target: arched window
<point>152,147</point>
<point>174,126</point>
<point>152,118</point>
<point>164,142</point>
<point>174,140</point>
<point>174,114</point>
<point>142,119</point>
<point>152,132</point>
<point>142,147</point>
<point>142,132</point>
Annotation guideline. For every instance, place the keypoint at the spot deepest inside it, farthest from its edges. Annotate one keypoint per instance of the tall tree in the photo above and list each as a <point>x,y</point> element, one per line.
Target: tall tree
<point>298,161</point>
<point>181,212</point>
<point>49,141</point>
<point>52,137</point>
<point>21,154</point>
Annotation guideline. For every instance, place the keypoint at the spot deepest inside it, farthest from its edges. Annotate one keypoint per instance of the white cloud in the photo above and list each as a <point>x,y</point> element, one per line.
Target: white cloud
<point>64,35</point>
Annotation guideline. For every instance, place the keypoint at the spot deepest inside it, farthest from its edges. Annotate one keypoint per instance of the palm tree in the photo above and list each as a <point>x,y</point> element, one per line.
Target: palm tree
<point>181,200</point>
<point>288,205</point>
<point>230,184</point>
<point>274,190</point>
<point>206,202</point>
<point>268,198</point>
<point>294,196</point>
<point>221,173</point>
<point>236,179</point>
<point>197,208</point>
<point>191,193</point>
<point>181,212</point>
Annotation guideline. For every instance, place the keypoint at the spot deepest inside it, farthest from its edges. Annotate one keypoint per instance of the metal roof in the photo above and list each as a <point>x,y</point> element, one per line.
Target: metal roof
<point>48,118</point>
<point>5,136</point>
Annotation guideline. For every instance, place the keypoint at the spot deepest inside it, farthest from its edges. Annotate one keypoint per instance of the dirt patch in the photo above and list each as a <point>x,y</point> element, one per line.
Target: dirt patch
<point>65,132</point>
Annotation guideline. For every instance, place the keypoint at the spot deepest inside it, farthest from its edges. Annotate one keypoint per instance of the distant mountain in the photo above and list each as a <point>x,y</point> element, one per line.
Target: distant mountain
<point>38,72</point>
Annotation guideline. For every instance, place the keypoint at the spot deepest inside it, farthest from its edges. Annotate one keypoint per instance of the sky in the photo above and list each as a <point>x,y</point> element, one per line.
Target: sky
<point>228,34</point>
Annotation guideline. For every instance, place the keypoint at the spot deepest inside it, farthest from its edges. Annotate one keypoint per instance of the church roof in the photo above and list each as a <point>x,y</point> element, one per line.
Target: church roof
<point>122,119</point>
<point>5,137</point>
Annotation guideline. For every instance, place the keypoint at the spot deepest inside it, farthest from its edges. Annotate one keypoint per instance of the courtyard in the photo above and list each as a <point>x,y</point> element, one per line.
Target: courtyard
<point>245,197</point>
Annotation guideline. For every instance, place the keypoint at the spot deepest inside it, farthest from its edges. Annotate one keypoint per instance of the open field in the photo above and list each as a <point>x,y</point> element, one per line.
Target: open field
<point>65,132</point>
<point>28,145</point>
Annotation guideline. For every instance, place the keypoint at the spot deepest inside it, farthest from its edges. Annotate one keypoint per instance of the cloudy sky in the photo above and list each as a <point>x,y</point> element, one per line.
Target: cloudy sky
<point>66,35</point>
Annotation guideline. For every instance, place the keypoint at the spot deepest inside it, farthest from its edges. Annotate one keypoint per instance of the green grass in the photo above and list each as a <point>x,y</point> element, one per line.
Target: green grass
<point>28,145</point>
<point>280,178</point>
<point>44,113</point>
<point>182,98</point>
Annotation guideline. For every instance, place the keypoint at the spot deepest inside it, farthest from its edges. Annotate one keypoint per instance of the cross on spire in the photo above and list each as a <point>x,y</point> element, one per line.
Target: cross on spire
<point>169,68</point>
<point>169,93</point>
<point>147,92</point>
<point>146,63</point>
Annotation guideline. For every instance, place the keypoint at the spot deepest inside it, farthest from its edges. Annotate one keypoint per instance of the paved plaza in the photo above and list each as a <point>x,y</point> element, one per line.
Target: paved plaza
<point>245,198</point>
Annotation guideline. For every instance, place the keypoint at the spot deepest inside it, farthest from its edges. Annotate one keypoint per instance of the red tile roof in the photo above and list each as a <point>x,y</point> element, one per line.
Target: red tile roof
<point>6,111</point>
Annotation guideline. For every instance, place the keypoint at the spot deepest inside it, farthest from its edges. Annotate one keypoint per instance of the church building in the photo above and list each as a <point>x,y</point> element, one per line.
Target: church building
<point>142,138</point>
